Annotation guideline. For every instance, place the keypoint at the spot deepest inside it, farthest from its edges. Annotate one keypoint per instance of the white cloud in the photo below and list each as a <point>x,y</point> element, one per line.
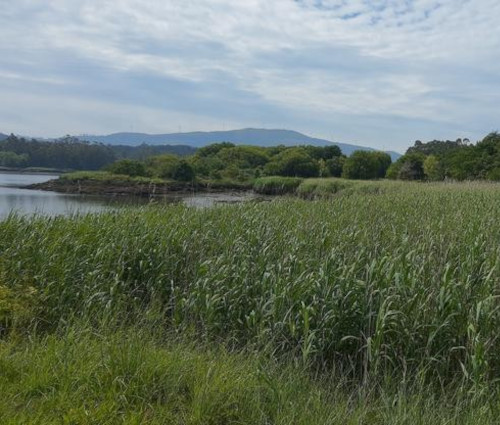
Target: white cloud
<point>422,60</point>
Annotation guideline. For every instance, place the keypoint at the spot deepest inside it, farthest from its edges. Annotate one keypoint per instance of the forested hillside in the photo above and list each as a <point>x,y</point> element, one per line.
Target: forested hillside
<point>457,160</point>
<point>67,153</point>
<point>72,153</point>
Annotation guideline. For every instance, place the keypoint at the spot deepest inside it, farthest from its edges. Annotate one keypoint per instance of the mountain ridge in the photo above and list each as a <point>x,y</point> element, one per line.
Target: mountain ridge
<point>246,136</point>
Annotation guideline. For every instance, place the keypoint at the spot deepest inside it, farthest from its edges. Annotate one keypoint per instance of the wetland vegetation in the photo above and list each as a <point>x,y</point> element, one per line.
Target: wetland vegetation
<point>379,305</point>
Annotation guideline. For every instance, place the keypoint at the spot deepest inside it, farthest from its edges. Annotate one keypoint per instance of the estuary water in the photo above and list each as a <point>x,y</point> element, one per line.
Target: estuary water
<point>14,198</point>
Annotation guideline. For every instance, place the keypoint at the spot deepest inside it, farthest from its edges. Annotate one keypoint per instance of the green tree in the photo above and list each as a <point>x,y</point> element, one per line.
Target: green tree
<point>366,165</point>
<point>322,152</point>
<point>393,171</point>
<point>184,171</point>
<point>384,162</point>
<point>66,153</point>
<point>163,166</point>
<point>207,166</point>
<point>244,156</point>
<point>433,169</point>
<point>323,168</point>
<point>129,167</point>
<point>335,165</point>
<point>292,162</point>
<point>12,159</point>
<point>213,149</point>
<point>412,167</point>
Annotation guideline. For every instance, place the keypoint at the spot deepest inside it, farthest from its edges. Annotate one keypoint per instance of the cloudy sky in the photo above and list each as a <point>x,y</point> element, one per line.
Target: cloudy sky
<point>380,73</point>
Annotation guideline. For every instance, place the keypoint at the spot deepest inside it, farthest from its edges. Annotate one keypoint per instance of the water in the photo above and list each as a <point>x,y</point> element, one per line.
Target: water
<point>25,201</point>
<point>13,198</point>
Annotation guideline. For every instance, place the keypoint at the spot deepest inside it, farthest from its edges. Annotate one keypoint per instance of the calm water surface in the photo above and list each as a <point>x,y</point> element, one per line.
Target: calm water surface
<point>13,198</point>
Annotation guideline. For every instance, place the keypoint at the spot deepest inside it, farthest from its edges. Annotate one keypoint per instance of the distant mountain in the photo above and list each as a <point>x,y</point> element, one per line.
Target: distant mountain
<point>3,136</point>
<point>248,136</point>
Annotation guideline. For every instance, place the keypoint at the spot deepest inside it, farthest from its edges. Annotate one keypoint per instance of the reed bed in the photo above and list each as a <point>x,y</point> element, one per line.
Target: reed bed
<point>276,185</point>
<point>403,282</point>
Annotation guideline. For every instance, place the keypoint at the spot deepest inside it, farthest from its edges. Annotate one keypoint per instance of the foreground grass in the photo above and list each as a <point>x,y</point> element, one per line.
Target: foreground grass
<point>130,377</point>
<point>391,292</point>
<point>403,280</point>
<point>135,377</point>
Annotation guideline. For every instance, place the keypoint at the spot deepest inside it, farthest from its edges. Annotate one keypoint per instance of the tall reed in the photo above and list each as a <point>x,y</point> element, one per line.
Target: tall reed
<point>400,283</point>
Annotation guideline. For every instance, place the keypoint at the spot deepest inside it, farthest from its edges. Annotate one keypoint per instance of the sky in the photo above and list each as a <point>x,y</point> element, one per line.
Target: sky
<point>379,73</point>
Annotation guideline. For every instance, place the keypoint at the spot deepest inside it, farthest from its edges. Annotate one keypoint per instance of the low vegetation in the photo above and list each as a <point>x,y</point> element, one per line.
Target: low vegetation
<point>319,188</point>
<point>106,177</point>
<point>106,182</point>
<point>376,307</point>
<point>276,185</point>
<point>133,376</point>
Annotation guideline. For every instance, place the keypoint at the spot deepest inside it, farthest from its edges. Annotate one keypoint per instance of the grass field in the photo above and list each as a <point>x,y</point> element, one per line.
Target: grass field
<point>378,306</point>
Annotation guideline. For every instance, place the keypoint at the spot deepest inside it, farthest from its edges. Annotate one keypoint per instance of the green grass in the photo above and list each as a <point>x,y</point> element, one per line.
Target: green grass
<point>311,188</point>
<point>107,177</point>
<point>324,188</point>
<point>392,290</point>
<point>138,377</point>
<point>276,185</point>
<point>130,377</point>
<point>321,188</point>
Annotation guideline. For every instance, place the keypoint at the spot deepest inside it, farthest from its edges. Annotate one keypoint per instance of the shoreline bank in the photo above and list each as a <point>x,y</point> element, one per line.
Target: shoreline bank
<point>127,188</point>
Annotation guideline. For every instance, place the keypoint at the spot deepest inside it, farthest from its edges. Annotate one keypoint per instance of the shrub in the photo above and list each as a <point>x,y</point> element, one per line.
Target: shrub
<point>183,172</point>
<point>293,162</point>
<point>321,188</point>
<point>365,165</point>
<point>128,167</point>
<point>276,185</point>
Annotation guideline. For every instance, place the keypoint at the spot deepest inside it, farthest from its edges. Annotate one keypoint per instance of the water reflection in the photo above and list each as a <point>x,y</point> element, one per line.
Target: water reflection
<point>25,201</point>
<point>22,179</point>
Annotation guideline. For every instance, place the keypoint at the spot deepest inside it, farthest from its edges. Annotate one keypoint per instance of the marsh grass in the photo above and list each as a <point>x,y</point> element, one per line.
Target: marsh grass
<point>321,188</point>
<point>107,177</point>
<point>276,185</point>
<point>392,291</point>
<point>326,188</point>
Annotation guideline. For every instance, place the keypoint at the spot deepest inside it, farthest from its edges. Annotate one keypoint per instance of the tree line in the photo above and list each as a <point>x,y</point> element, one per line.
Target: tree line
<point>229,162</point>
<point>457,160</point>
<point>218,161</point>
<point>70,153</point>
<point>433,161</point>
